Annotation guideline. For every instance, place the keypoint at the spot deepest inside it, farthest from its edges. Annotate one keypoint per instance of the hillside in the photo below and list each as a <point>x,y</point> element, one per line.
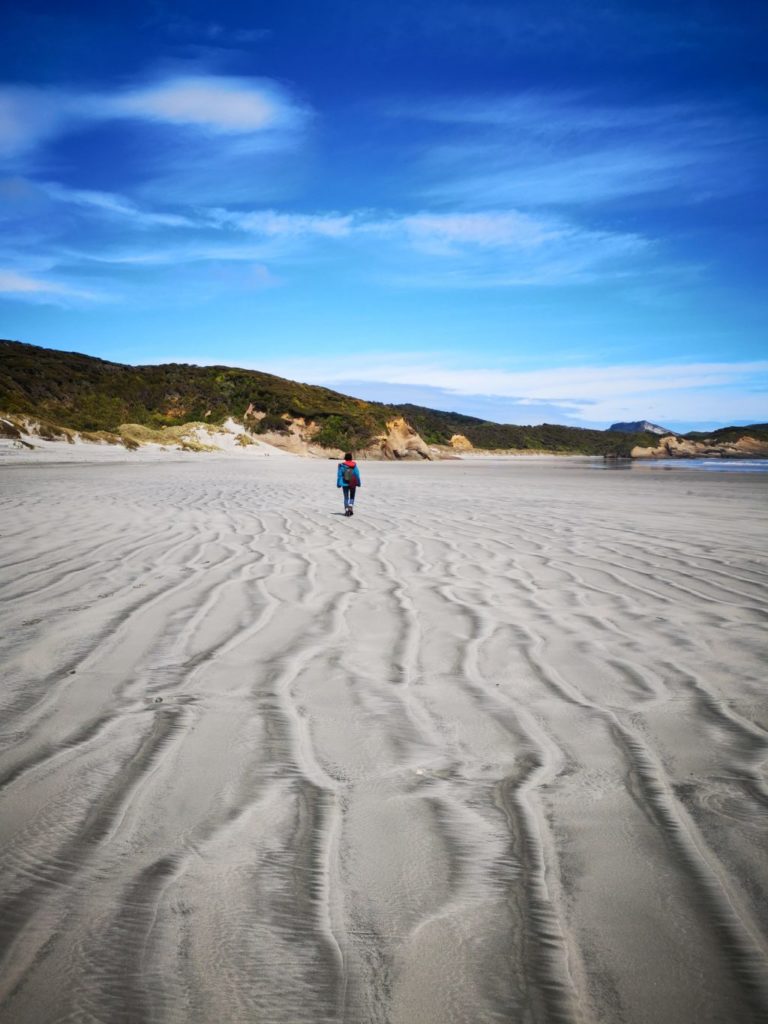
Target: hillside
<point>639,427</point>
<point>84,393</point>
<point>91,394</point>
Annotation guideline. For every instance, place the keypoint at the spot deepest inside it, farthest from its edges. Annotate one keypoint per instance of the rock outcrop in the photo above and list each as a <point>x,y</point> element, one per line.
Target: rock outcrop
<point>672,447</point>
<point>297,435</point>
<point>402,442</point>
<point>293,434</point>
<point>459,443</point>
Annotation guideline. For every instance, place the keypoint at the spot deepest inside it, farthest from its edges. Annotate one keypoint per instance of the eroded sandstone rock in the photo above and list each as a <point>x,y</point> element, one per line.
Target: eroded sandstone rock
<point>672,447</point>
<point>461,444</point>
<point>401,441</point>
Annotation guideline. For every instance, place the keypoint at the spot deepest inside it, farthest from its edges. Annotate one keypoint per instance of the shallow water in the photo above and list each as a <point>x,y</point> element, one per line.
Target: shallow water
<point>713,465</point>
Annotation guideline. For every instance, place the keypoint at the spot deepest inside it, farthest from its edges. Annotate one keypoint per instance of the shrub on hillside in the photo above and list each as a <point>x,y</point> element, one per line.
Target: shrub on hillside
<point>271,423</point>
<point>344,432</point>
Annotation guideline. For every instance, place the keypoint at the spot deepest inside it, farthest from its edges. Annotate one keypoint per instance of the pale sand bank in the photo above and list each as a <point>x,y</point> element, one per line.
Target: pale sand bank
<point>493,750</point>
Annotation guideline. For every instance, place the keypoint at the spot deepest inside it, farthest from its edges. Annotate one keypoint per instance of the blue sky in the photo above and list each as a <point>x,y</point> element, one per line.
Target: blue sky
<point>529,212</point>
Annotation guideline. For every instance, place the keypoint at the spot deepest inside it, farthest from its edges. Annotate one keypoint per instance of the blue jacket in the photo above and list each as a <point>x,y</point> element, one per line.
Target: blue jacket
<point>340,475</point>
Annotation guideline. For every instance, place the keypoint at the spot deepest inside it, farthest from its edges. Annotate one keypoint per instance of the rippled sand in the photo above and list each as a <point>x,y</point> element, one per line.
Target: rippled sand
<point>493,750</point>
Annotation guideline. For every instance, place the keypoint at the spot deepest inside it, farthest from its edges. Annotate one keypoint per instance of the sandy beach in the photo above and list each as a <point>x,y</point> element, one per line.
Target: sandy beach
<point>492,750</point>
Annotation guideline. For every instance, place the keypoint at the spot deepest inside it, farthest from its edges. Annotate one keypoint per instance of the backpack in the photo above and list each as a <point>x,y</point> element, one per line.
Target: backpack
<point>349,476</point>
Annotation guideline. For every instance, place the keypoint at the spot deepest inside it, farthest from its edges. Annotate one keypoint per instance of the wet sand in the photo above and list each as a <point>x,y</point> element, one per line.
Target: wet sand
<point>492,750</point>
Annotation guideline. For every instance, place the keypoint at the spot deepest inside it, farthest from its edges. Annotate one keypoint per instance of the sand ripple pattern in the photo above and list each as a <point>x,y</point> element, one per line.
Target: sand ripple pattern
<point>492,751</point>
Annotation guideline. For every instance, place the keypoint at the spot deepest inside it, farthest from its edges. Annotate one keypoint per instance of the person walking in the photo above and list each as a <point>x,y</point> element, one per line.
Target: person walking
<point>348,478</point>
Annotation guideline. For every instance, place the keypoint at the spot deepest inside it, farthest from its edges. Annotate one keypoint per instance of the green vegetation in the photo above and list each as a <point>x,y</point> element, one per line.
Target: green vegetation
<point>727,434</point>
<point>438,428</point>
<point>100,436</point>
<point>347,432</point>
<point>269,423</point>
<point>135,434</point>
<point>85,393</point>
<point>80,393</point>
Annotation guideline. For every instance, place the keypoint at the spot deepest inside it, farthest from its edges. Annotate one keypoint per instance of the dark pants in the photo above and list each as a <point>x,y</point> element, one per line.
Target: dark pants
<point>349,496</point>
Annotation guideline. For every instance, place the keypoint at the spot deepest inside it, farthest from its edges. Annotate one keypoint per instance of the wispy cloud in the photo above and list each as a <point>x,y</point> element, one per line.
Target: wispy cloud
<point>116,205</point>
<point>169,255</point>
<point>579,384</point>
<point>438,233</point>
<point>36,289</point>
<point>675,392</point>
<point>444,233</point>
<point>500,248</point>
<point>497,248</point>
<point>550,149</point>
<point>575,384</point>
<point>507,176</point>
<point>274,224</point>
<point>221,105</point>
<point>494,249</point>
<point>554,114</point>
<point>237,106</point>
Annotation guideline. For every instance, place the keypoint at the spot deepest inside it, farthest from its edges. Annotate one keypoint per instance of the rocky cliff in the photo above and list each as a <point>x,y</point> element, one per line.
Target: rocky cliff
<point>295,434</point>
<point>639,427</point>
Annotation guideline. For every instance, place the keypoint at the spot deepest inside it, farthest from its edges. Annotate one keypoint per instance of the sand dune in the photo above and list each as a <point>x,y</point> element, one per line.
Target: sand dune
<point>493,750</point>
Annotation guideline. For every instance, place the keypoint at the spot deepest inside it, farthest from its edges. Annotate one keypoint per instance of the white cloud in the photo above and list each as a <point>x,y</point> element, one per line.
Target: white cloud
<point>495,229</point>
<point>577,384</point>
<point>723,405</point>
<point>497,248</point>
<point>22,286</point>
<point>224,105</point>
<point>552,148</point>
<point>10,281</point>
<point>109,202</point>
<point>171,255</point>
<point>504,249</point>
<point>557,114</point>
<point>287,225</point>
<point>460,249</point>
<point>605,174</point>
<point>209,103</point>
<point>439,233</point>
<point>675,392</point>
